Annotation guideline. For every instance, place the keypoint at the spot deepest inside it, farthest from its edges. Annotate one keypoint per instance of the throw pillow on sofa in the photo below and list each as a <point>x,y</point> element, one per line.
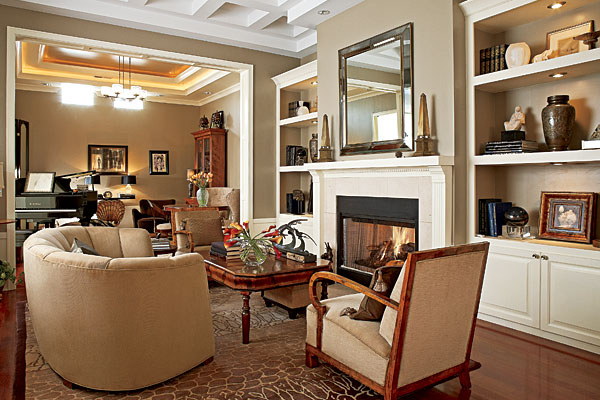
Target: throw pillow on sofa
<point>81,247</point>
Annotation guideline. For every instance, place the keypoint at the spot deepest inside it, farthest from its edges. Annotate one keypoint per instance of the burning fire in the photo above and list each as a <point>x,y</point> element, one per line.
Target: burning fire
<point>400,236</point>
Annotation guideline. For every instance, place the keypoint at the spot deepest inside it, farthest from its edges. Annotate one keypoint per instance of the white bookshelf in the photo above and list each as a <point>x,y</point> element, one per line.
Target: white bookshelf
<point>533,285</point>
<point>297,84</point>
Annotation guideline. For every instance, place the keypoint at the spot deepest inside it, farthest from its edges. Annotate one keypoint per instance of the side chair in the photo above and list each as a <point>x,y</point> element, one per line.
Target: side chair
<point>425,335</point>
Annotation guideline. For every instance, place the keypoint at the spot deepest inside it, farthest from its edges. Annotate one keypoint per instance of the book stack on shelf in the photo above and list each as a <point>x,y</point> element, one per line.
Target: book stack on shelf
<point>218,249</point>
<point>491,216</point>
<point>492,59</point>
<point>511,147</point>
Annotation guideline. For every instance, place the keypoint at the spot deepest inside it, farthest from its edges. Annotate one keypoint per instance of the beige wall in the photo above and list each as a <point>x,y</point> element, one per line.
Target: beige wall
<point>59,135</point>
<point>432,51</point>
<point>266,65</point>
<point>231,106</point>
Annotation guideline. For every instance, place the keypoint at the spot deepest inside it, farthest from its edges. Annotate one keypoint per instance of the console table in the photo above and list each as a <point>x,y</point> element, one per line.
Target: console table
<point>274,273</point>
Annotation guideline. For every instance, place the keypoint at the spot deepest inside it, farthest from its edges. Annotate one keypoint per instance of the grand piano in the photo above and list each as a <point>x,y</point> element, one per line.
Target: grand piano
<point>35,209</point>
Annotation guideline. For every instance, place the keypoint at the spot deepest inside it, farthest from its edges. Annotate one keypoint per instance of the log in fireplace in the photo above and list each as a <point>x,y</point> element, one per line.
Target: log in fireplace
<point>373,232</point>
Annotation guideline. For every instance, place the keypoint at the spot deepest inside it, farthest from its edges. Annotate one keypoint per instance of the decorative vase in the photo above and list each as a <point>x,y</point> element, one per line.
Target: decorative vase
<point>202,197</point>
<point>313,145</point>
<point>558,119</point>
<point>253,253</point>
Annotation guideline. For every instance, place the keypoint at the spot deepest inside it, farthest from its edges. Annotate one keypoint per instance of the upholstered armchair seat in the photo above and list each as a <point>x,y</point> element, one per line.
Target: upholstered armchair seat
<point>425,335</point>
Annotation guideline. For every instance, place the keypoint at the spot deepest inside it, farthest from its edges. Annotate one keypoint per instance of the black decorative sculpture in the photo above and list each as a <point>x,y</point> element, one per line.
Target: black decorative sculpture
<point>294,250</point>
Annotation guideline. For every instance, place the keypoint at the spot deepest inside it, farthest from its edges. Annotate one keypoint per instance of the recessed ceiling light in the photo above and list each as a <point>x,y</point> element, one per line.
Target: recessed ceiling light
<point>208,92</point>
<point>315,122</point>
<point>556,5</point>
<point>323,12</point>
<point>314,83</point>
<point>556,163</point>
<point>558,75</point>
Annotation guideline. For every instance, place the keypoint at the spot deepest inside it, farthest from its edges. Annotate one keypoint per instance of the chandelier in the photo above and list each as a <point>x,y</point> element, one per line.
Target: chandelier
<point>118,91</point>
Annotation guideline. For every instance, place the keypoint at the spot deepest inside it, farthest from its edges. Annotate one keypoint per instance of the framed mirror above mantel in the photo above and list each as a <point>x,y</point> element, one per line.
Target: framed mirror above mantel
<point>376,94</point>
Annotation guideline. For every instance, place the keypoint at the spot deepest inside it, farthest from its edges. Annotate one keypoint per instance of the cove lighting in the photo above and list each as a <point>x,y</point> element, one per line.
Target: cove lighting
<point>80,95</point>
<point>557,5</point>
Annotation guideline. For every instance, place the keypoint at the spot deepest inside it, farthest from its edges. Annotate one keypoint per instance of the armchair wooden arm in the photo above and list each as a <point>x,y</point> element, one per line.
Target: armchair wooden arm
<point>330,276</point>
<point>189,238</point>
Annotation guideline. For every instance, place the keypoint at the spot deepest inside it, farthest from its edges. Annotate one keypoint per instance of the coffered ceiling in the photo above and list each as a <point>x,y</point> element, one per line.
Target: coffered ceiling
<point>286,27</point>
<point>43,67</point>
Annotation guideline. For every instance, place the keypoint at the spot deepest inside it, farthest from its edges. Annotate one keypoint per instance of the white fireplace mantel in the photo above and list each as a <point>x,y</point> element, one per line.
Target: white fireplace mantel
<point>428,179</point>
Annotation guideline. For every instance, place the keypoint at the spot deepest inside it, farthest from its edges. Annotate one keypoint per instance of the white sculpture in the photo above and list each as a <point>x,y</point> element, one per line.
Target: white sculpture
<point>543,56</point>
<point>517,120</point>
<point>517,54</point>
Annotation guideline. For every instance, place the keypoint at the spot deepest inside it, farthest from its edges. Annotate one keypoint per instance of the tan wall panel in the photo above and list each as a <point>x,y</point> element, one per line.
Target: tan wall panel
<point>59,135</point>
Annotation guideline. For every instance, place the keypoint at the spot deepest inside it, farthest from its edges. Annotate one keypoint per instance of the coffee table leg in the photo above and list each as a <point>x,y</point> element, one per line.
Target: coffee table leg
<point>246,318</point>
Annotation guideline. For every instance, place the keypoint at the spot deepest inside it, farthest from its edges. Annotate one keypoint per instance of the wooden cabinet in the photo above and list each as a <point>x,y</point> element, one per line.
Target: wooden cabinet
<point>511,287</point>
<point>210,149</point>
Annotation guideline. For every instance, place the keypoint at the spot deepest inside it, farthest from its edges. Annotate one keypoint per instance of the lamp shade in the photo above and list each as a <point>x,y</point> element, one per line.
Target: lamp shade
<point>92,180</point>
<point>128,180</point>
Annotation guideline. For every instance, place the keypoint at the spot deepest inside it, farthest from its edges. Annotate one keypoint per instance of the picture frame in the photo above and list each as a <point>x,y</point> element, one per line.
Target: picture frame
<point>108,159</point>
<point>158,162</point>
<point>561,41</point>
<point>39,182</point>
<point>568,216</point>
<point>216,120</point>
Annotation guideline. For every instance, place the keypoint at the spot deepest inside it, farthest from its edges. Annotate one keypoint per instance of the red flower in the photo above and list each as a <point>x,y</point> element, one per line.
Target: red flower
<point>277,252</point>
<point>269,229</point>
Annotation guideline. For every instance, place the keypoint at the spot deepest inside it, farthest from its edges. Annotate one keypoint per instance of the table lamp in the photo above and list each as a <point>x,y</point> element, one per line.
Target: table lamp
<point>128,180</point>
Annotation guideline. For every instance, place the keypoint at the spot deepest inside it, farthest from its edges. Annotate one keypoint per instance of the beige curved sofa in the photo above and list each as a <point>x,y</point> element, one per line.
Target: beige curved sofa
<point>120,321</point>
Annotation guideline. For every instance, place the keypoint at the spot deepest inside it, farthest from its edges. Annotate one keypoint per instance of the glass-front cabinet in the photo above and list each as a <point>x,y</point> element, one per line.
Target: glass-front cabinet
<point>211,154</point>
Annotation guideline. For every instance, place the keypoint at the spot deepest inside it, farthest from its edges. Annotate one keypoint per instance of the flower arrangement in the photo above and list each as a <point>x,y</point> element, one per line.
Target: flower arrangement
<point>254,249</point>
<point>201,179</point>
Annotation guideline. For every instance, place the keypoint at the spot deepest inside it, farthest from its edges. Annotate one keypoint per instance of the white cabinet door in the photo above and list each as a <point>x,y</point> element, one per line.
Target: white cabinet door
<point>511,286</point>
<point>571,297</point>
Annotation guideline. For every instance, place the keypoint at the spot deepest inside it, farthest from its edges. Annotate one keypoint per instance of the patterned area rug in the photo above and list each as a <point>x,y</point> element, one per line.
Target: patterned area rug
<point>270,367</point>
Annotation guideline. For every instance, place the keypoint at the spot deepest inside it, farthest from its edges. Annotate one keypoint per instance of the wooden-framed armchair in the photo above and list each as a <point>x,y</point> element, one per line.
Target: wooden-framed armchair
<point>426,334</point>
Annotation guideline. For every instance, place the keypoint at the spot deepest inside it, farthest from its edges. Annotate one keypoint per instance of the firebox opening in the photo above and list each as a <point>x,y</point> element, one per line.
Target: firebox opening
<point>374,232</point>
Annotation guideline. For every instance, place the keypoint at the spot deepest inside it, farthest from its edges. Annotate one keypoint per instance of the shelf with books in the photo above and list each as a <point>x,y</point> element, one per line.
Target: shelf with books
<point>542,157</point>
<point>572,65</point>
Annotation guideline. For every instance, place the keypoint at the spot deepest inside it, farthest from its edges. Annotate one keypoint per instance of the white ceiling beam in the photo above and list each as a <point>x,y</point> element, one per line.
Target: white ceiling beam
<point>215,76</point>
<point>136,2</point>
<point>265,21</point>
<point>205,8</point>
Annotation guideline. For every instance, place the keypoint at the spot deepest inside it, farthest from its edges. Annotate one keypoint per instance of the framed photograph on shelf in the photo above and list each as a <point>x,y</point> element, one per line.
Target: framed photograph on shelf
<point>568,216</point>
<point>158,162</point>
<point>561,41</point>
<point>107,160</point>
<point>39,182</point>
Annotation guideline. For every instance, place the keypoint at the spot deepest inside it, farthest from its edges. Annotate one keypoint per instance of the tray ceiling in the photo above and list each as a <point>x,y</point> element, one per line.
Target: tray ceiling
<point>286,27</point>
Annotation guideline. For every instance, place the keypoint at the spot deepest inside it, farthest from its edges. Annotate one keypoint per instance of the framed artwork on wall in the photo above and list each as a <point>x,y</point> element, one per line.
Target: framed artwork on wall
<point>158,162</point>
<point>107,160</point>
<point>568,216</point>
<point>217,120</point>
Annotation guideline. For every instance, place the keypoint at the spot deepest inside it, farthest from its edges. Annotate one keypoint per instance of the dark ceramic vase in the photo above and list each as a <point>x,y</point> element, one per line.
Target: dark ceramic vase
<point>516,216</point>
<point>558,119</point>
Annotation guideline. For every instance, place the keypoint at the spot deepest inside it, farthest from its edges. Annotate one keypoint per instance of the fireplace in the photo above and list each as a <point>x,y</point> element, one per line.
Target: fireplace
<point>373,232</point>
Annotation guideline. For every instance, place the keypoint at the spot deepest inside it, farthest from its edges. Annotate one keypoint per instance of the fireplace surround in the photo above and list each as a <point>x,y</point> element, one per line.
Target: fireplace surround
<point>373,232</point>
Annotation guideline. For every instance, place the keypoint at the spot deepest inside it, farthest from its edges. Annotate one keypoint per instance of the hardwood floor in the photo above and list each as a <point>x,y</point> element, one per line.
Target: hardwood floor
<point>515,365</point>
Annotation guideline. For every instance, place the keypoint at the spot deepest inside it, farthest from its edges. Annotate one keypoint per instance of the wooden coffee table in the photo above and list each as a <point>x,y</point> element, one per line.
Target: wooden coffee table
<point>274,273</point>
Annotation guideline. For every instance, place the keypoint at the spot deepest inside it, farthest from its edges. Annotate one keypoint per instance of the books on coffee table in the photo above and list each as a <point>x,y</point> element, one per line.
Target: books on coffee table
<point>218,249</point>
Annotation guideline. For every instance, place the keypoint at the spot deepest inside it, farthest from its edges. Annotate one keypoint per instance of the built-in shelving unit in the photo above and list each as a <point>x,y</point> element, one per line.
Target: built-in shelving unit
<point>533,285</point>
<point>297,84</point>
